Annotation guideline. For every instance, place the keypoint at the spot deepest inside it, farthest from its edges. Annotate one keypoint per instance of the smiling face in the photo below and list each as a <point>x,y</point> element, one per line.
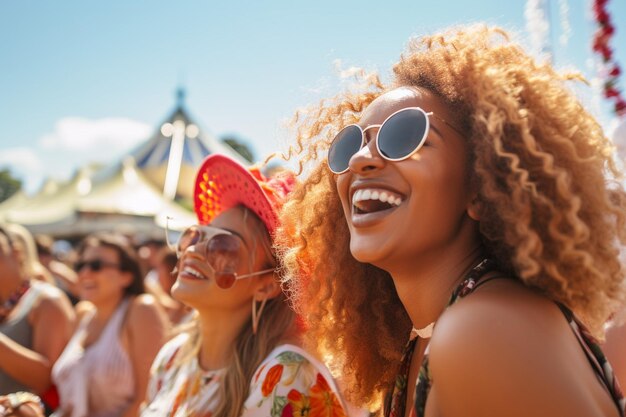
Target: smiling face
<point>196,286</point>
<point>108,282</point>
<point>403,211</point>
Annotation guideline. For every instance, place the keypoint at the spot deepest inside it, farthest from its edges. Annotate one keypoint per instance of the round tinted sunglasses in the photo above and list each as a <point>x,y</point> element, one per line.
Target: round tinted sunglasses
<point>223,250</point>
<point>401,135</point>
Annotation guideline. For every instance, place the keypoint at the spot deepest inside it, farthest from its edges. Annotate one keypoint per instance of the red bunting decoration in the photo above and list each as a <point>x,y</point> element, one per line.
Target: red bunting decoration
<point>601,46</point>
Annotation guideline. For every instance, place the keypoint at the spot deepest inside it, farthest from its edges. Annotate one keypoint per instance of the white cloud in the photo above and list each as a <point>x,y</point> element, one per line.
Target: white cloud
<point>109,134</point>
<point>73,143</point>
<point>23,163</point>
<point>21,159</point>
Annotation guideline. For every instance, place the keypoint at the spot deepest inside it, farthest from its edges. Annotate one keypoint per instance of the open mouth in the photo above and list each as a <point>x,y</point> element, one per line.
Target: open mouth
<point>372,200</point>
<point>189,272</point>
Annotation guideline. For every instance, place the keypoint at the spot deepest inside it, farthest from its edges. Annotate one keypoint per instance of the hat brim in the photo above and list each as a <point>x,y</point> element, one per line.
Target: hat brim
<point>223,183</point>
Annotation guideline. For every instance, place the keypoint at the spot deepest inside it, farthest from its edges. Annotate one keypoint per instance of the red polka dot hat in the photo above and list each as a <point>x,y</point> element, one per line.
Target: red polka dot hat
<point>223,183</point>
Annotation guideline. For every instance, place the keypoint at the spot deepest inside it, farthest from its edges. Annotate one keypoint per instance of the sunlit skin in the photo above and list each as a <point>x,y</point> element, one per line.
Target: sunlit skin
<point>224,312</point>
<point>431,236</point>
<point>104,291</point>
<point>483,360</point>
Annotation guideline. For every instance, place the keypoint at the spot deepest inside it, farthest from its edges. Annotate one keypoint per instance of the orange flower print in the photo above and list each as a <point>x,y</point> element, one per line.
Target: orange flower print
<point>298,406</point>
<point>324,402</point>
<point>179,397</point>
<point>258,374</point>
<point>271,379</point>
<point>170,361</point>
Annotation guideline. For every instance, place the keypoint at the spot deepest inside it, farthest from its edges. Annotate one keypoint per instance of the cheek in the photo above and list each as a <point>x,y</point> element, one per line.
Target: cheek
<point>343,189</point>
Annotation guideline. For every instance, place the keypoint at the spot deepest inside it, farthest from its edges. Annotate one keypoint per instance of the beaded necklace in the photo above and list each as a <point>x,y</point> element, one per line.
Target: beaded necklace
<point>7,306</point>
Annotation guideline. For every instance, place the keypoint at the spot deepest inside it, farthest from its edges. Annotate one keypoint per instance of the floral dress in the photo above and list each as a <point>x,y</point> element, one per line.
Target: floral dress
<point>289,382</point>
<point>395,405</point>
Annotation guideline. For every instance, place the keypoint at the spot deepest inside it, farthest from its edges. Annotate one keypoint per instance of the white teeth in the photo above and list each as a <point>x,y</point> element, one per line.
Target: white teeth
<point>193,272</point>
<point>384,196</point>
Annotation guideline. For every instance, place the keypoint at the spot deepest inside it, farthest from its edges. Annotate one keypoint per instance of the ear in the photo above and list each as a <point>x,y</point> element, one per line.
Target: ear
<point>474,208</point>
<point>126,278</point>
<point>268,288</point>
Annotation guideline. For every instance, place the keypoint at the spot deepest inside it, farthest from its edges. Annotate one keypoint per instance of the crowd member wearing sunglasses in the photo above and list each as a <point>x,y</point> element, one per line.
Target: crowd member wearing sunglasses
<point>104,370</point>
<point>240,356</point>
<point>36,320</point>
<point>462,236</point>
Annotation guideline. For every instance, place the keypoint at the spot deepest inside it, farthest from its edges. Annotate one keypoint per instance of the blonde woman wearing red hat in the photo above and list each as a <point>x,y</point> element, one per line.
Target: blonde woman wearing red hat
<point>241,355</point>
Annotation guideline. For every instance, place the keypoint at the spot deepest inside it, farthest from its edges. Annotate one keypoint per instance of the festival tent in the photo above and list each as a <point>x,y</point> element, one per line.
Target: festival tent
<point>120,199</point>
<point>159,152</point>
<point>127,196</point>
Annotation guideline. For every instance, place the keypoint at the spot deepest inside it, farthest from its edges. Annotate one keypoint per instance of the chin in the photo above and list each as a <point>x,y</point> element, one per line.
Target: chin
<point>367,251</point>
<point>188,296</point>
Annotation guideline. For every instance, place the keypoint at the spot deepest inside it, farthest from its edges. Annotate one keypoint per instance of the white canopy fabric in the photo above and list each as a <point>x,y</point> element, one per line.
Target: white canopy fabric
<point>124,198</point>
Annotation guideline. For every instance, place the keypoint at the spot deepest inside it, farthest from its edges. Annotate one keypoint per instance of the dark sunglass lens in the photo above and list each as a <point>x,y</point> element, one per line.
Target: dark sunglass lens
<point>346,143</point>
<point>189,237</point>
<point>95,265</point>
<point>402,133</point>
<point>225,280</point>
<point>224,253</point>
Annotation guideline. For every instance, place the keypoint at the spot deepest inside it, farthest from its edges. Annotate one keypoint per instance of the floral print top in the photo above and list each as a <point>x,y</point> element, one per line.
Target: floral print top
<point>395,405</point>
<point>289,383</point>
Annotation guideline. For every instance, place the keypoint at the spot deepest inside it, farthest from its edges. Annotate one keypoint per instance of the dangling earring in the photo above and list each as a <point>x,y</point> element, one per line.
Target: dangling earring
<point>256,315</point>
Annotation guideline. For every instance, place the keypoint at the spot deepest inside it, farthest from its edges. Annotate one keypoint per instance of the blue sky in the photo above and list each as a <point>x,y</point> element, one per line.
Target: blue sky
<point>86,81</point>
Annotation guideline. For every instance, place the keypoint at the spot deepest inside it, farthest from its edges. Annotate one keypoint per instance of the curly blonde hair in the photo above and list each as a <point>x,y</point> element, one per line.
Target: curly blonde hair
<point>552,207</point>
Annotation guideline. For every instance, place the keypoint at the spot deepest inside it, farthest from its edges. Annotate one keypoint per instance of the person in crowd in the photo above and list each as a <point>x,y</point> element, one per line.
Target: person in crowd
<point>36,321</point>
<point>457,247</point>
<point>161,290</point>
<point>148,251</point>
<point>26,251</point>
<point>241,354</point>
<point>104,370</point>
<point>64,277</point>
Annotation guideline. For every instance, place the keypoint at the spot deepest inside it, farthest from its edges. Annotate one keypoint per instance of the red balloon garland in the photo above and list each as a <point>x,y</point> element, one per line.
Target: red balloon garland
<point>601,40</point>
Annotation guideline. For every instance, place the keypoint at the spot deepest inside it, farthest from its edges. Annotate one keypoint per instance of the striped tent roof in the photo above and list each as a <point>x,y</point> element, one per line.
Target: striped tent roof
<point>152,156</point>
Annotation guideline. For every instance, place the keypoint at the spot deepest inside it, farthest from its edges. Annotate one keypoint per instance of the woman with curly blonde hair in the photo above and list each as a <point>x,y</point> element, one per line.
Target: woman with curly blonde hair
<point>447,252</point>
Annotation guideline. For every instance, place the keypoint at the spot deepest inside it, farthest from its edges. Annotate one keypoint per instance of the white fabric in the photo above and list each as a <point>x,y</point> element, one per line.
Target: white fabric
<point>97,381</point>
<point>182,389</point>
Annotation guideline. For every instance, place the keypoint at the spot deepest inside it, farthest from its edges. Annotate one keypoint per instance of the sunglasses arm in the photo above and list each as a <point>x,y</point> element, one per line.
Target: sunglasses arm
<point>254,274</point>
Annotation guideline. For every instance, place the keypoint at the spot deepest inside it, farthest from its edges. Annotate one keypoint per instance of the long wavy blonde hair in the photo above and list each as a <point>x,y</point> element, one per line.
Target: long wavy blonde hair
<point>552,216</point>
<point>276,324</point>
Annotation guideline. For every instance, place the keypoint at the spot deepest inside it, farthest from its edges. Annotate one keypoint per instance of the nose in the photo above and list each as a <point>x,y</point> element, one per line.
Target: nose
<point>367,158</point>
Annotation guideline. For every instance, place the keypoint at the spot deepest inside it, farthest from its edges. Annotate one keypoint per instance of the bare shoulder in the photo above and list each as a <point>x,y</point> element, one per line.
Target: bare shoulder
<point>144,309</point>
<point>502,308</point>
<point>505,331</point>
<point>53,303</point>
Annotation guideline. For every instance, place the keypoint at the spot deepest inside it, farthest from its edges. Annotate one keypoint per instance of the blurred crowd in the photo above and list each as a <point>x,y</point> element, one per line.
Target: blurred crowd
<point>101,297</point>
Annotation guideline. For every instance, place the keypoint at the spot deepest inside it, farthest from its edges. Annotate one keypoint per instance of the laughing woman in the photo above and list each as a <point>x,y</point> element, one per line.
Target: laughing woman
<point>462,235</point>
<point>104,369</point>
<point>241,355</point>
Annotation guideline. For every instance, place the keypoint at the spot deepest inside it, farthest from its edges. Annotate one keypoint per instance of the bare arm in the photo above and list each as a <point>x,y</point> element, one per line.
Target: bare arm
<point>147,328</point>
<point>507,351</point>
<point>52,320</point>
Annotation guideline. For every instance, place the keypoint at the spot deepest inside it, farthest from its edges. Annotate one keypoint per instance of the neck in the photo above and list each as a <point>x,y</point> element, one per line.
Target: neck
<point>105,309</point>
<point>424,285</point>
<point>219,329</point>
